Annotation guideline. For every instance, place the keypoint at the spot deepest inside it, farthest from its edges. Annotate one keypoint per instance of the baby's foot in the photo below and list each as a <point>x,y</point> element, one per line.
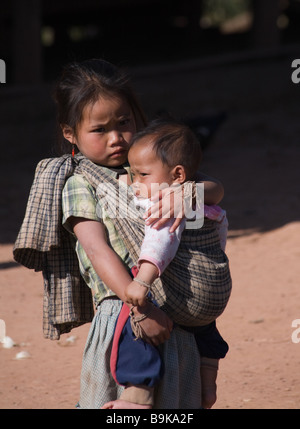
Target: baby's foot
<point>119,404</point>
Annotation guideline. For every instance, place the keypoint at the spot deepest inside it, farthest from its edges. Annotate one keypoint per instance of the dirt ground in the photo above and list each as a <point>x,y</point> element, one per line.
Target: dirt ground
<point>256,154</point>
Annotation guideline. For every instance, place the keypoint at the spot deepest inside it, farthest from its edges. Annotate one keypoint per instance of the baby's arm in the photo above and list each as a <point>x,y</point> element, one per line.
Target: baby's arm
<point>136,291</point>
<point>158,249</point>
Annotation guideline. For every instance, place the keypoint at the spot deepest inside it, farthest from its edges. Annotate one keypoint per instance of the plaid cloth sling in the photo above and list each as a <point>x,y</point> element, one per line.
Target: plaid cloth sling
<point>195,288</point>
<point>185,290</point>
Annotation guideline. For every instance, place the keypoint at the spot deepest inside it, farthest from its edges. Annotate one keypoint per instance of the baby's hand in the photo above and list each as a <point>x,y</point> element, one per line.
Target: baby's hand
<point>135,294</point>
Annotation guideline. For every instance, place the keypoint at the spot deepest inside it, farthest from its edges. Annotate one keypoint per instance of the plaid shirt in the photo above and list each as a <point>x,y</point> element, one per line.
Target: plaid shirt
<point>79,199</point>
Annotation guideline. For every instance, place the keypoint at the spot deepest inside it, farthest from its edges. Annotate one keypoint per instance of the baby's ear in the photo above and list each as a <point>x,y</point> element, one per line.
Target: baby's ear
<point>68,133</point>
<point>179,174</point>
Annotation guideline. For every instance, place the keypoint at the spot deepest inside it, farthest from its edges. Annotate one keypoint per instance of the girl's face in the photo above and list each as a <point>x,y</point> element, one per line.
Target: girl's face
<point>104,132</point>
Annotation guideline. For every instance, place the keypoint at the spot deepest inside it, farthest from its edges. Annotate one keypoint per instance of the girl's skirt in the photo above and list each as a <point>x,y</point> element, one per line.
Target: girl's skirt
<point>181,383</point>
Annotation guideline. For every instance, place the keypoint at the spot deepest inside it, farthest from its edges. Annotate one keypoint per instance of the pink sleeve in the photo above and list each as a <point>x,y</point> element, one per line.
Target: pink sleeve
<point>160,246</point>
<point>214,212</point>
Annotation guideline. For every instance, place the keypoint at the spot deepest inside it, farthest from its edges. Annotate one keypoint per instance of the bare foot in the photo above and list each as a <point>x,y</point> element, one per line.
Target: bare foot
<point>119,404</point>
<point>208,381</point>
<point>209,398</point>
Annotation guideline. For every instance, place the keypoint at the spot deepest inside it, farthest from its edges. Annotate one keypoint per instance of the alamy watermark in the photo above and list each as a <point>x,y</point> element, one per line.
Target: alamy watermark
<point>185,200</point>
<point>2,330</point>
<point>296,73</point>
<point>296,332</point>
<point>2,71</point>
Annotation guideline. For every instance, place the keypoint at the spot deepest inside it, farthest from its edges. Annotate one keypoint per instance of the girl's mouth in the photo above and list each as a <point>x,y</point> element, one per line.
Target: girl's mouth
<point>118,153</point>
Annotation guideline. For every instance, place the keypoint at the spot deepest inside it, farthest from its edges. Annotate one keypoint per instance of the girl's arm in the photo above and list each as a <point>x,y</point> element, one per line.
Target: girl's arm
<point>213,189</point>
<point>113,273</point>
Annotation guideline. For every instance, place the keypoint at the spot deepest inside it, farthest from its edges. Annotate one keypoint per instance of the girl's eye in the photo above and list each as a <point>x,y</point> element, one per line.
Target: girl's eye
<point>125,121</point>
<point>99,130</point>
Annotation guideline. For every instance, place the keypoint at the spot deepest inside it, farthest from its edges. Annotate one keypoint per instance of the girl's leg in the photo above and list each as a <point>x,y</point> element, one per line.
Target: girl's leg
<point>97,385</point>
<point>209,370</point>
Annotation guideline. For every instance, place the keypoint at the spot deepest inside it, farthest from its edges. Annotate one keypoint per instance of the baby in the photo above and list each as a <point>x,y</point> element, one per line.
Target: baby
<point>166,153</point>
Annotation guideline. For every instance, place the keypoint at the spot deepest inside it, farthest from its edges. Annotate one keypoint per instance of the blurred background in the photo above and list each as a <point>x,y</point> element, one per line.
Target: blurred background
<point>222,65</point>
<point>38,36</point>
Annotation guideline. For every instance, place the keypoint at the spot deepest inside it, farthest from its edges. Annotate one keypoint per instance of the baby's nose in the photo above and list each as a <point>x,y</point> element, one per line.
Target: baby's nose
<point>136,187</point>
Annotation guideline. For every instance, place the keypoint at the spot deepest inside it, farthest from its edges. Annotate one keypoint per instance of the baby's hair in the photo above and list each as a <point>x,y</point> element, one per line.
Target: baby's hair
<point>173,142</point>
<point>82,84</point>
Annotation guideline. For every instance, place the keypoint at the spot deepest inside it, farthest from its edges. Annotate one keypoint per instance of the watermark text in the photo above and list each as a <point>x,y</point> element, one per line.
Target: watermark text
<point>2,71</point>
<point>296,332</point>
<point>296,73</point>
<point>185,200</point>
<point>2,330</point>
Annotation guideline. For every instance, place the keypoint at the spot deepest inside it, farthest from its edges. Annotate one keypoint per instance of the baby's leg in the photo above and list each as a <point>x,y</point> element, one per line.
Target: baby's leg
<point>133,397</point>
<point>209,371</point>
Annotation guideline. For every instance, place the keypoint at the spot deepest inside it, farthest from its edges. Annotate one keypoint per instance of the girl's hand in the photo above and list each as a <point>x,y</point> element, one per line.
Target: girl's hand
<point>168,203</point>
<point>135,294</point>
<point>157,326</point>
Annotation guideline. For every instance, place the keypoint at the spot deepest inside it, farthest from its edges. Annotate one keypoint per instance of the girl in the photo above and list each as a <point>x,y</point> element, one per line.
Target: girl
<point>98,115</point>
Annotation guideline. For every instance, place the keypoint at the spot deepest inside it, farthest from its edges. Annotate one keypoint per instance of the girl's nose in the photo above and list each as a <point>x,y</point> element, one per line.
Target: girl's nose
<point>115,137</point>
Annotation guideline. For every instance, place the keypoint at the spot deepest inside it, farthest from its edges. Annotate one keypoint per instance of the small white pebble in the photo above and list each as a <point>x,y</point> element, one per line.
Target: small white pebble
<point>22,355</point>
<point>71,339</point>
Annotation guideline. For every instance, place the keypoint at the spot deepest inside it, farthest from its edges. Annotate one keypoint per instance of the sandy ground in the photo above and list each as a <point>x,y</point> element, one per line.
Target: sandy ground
<point>256,154</point>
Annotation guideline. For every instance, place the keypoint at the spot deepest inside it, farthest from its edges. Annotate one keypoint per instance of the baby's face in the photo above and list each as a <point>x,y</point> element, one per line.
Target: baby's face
<point>149,174</point>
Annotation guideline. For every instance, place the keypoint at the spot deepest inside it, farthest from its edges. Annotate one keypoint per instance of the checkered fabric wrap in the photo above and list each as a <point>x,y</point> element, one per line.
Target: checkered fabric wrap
<point>44,245</point>
<point>195,288</point>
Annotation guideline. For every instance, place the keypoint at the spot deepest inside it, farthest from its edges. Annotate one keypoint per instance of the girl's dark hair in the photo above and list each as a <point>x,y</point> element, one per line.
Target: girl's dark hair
<point>174,143</point>
<point>83,83</point>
